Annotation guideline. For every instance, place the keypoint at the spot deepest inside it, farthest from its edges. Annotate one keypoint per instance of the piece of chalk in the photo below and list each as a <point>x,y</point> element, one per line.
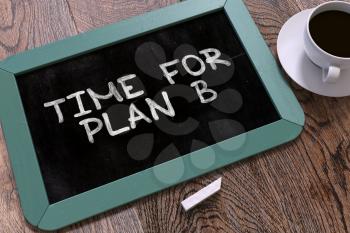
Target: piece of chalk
<point>201,195</point>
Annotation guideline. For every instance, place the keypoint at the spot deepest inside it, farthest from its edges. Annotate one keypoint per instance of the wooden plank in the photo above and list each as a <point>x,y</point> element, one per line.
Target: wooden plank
<point>124,219</point>
<point>29,24</point>
<point>90,14</point>
<point>323,159</point>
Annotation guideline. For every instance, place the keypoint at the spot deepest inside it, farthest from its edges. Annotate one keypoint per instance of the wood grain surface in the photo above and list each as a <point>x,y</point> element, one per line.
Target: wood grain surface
<point>303,186</point>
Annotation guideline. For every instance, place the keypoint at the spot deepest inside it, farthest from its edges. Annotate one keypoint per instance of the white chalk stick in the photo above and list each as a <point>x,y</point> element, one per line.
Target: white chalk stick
<point>201,195</point>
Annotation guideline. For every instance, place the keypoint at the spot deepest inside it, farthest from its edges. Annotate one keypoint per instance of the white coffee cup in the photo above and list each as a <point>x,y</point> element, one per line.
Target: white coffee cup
<point>331,65</point>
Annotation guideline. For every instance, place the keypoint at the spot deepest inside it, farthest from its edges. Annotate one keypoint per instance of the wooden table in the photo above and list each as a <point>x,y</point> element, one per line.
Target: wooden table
<point>303,186</point>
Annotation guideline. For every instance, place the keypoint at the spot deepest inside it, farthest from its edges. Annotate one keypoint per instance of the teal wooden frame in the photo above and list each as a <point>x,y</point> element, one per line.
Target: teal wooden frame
<point>29,182</point>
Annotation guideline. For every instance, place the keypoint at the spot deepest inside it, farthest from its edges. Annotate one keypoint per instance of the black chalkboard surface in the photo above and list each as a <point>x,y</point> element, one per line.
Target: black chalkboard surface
<point>72,163</point>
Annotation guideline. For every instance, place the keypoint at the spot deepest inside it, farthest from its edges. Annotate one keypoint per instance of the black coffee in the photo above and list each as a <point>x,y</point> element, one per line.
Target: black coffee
<point>331,32</point>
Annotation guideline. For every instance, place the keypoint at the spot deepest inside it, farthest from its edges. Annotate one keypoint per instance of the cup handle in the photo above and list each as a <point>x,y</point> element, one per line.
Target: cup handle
<point>331,74</point>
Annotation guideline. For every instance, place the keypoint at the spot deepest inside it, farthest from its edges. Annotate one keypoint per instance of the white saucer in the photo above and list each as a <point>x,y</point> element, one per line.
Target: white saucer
<point>290,49</point>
